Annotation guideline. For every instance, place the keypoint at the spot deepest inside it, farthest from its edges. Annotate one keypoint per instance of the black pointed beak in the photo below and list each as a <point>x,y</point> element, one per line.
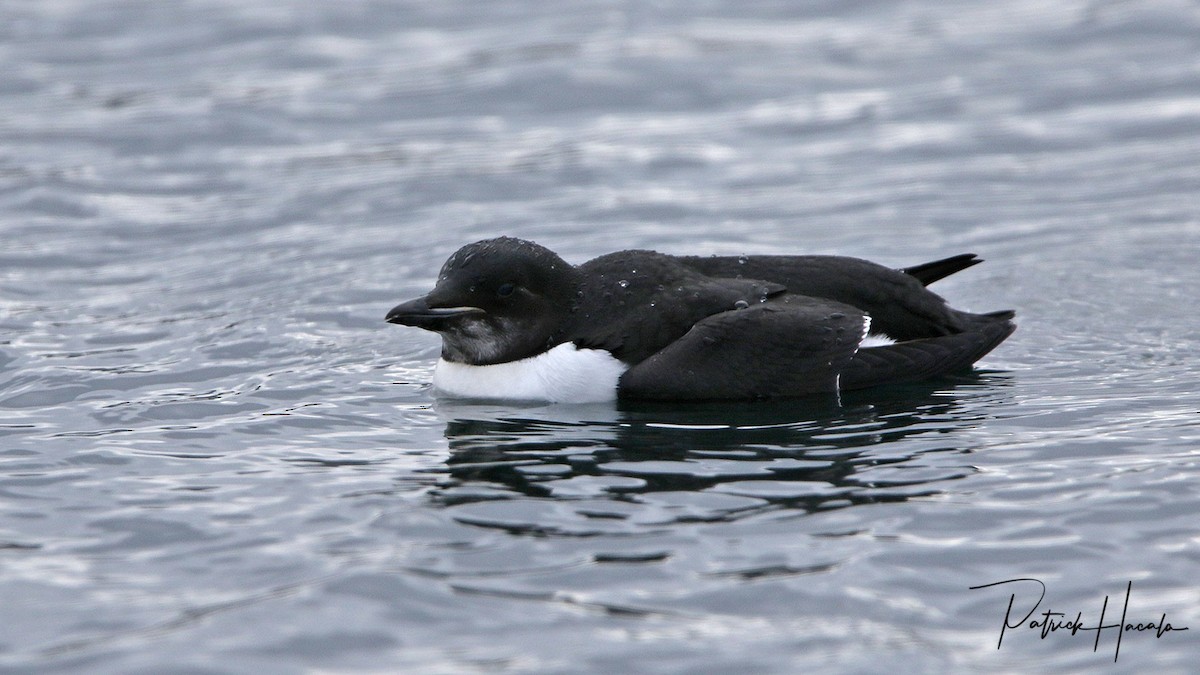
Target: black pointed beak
<point>419,314</point>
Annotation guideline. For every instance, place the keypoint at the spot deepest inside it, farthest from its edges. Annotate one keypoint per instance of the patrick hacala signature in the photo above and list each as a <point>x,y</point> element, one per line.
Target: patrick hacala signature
<point>1050,622</point>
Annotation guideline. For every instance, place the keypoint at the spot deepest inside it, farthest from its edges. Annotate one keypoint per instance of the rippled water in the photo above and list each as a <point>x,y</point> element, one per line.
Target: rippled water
<point>216,457</point>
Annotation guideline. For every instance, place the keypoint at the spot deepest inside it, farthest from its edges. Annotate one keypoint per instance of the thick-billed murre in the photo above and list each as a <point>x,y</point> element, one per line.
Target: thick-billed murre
<point>518,322</point>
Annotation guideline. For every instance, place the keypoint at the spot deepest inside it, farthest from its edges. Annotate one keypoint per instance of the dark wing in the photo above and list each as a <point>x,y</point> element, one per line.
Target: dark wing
<point>790,346</point>
<point>635,303</point>
<point>899,304</point>
<point>929,357</point>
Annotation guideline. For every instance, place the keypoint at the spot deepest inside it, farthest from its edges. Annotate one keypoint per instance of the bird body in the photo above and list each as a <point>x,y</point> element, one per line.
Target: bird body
<point>518,322</point>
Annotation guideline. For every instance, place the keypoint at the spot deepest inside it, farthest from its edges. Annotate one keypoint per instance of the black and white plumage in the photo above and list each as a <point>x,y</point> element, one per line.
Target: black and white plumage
<point>518,322</point>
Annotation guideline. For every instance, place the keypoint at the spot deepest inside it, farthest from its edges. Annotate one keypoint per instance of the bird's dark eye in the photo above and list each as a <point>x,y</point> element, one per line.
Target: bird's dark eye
<point>506,290</point>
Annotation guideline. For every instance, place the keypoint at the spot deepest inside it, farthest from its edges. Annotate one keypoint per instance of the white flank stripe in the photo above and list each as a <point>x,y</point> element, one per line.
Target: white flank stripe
<point>869,340</point>
<point>875,341</point>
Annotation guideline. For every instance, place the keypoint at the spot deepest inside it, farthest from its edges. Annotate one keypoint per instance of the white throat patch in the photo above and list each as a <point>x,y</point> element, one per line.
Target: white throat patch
<point>564,374</point>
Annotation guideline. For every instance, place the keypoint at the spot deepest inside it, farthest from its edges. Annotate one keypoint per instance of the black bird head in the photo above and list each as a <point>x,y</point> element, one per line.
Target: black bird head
<point>495,301</point>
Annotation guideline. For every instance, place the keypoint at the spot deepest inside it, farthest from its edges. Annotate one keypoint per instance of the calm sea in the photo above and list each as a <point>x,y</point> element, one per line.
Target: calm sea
<point>215,456</point>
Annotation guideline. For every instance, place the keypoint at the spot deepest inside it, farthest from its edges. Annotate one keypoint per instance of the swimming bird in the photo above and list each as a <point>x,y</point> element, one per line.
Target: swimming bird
<point>519,323</point>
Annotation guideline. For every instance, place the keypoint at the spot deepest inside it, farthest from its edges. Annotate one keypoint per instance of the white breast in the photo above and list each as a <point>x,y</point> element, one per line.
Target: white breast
<point>564,374</point>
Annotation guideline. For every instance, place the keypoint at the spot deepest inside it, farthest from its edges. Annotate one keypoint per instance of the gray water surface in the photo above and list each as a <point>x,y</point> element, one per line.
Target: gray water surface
<point>216,457</point>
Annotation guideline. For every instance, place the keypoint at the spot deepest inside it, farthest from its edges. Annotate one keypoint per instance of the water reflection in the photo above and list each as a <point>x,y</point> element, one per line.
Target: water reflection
<point>711,461</point>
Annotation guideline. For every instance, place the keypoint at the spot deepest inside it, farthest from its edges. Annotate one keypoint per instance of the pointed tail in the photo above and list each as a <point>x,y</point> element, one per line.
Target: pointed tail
<point>929,272</point>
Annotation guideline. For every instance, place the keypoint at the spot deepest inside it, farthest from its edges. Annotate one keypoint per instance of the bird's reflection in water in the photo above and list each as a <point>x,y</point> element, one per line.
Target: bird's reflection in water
<point>885,444</point>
